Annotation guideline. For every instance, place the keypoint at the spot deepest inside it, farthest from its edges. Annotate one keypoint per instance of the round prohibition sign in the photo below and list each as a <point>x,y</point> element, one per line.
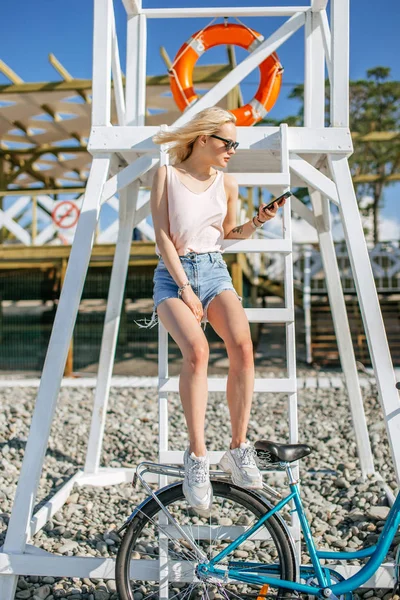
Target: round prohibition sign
<point>65,214</point>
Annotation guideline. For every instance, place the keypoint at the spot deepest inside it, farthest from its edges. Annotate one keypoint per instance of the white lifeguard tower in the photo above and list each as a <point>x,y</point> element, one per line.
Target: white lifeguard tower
<point>124,157</point>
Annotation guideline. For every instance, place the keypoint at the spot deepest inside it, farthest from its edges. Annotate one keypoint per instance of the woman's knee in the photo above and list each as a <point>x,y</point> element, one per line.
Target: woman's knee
<point>197,354</point>
<point>242,351</point>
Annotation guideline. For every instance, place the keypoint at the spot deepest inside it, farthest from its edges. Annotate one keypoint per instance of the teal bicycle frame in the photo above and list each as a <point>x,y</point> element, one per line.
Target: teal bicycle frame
<point>264,574</point>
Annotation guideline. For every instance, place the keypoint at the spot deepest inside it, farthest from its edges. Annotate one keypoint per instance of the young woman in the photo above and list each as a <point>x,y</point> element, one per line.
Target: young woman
<point>193,206</point>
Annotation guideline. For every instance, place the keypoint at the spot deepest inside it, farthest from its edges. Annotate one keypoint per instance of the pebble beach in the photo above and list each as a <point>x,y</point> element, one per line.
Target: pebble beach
<point>346,511</point>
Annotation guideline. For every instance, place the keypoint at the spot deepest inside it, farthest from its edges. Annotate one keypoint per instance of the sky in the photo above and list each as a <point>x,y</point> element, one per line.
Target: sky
<point>29,31</point>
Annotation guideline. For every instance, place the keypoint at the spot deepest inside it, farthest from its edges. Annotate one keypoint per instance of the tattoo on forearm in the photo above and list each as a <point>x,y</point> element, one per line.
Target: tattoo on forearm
<point>238,229</point>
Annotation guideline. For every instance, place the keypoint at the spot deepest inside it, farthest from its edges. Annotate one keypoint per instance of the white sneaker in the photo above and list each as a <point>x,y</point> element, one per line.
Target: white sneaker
<point>196,485</point>
<point>240,463</point>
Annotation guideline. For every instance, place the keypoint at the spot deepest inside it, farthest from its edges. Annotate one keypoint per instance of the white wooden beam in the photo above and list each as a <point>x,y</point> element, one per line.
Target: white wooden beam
<point>302,211</point>
<point>369,304</point>
<point>322,17</point>
<point>135,98</point>
<point>20,521</point>
<point>340,63</point>
<point>300,140</point>
<point>101,100</point>
<point>342,330</point>
<point>313,177</point>
<point>117,75</point>
<point>128,175</point>
<point>318,5</point>
<point>228,11</point>
<point>132,7</point>
<point>127,211</point>
<point>104,568</point>
<point>314,73</point>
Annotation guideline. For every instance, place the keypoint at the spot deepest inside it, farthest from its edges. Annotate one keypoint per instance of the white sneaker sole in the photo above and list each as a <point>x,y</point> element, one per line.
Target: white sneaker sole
<point>225,465</point>
<point>202,509</point>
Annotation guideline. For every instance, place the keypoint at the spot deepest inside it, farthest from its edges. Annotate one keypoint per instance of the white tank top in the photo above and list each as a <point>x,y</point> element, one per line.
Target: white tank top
<point>195,219</point>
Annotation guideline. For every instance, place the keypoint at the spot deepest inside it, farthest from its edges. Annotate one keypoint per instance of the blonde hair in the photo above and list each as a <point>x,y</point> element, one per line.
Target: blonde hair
<point>205,122</point>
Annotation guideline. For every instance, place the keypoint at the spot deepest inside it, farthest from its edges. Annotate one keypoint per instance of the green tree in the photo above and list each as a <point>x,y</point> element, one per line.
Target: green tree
<point>374,107</point>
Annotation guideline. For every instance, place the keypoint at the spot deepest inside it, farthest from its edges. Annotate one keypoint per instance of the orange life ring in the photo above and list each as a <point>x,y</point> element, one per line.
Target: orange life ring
<point>181,72</point>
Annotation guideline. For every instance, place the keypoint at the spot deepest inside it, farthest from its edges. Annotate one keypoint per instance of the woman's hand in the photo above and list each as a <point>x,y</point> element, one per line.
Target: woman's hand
<point>193,302</point>
<point>271,212</point>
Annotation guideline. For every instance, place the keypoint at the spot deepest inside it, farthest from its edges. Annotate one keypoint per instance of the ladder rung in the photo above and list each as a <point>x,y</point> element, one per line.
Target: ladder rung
<point>175,457</point>
<point>282,179</point>
<point>269,315</point>
<point>218,384</point>
<point>258,245</point>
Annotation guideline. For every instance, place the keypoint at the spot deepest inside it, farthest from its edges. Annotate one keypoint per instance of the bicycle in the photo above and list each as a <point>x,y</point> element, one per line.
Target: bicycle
<point>242,549</point>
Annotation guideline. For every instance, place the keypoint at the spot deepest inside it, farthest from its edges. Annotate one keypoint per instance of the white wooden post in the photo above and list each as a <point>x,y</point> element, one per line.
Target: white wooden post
<point>369,304</point>
<point>340,63</point>
<point>314,116</point>
<point>53,369</point>
<point>133,113</point>
<point>307,301</point>
<point>127,211</point>
<point>19,526</point>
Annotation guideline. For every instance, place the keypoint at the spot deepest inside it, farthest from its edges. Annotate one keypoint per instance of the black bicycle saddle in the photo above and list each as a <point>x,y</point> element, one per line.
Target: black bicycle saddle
<point>274,452</point>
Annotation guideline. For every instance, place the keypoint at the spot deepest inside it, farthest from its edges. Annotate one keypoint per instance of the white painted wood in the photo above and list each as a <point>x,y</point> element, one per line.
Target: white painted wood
<point>307,303</point>
<point>340,63</point>
<point>19,525</point>
<point>314,116</point>
<point>134,382</point>
<point>117,75</point>
<point>101,88</point>
<point>318,5</point>
<point>141,69</point>
<point>322,18</point>
<point>231,11</point>
<point>302,210</point>
<point>369,304</point>
<point>132,7</point>
<point>285,151</point>
<point>20,233</point>
<point>314,73</point>
<point>127,176</point>
<point>313,177</point>
<point>269,315</point>
<point>342,331</point>
<point>127,207</point>
<point>267,179</point>
<point>336,382</point>
<point>300,140</point>
<point>218,384</point>
<point>104,568</point>
<point>45,513</point>
<point>311,383</point>
<point>136,70</point>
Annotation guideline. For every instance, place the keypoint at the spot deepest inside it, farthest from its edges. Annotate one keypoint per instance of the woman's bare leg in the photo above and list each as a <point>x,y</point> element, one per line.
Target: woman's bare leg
<point>184,328</point>
<point>226,315</point>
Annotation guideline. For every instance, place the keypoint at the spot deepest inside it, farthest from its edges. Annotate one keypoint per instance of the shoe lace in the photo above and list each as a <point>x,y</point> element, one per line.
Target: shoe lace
<point>247,456</point>
<point>198,472</point>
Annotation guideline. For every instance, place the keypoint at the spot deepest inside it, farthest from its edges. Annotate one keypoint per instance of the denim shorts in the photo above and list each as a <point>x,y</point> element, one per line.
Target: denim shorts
<point>208,275</point>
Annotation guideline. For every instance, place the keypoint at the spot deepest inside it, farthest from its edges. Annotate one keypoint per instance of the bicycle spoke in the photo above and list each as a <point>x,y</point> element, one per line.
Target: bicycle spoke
<point>153,541</point>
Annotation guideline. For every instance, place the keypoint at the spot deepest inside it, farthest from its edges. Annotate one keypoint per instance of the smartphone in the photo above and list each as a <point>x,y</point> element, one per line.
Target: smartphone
<point>284,196</point>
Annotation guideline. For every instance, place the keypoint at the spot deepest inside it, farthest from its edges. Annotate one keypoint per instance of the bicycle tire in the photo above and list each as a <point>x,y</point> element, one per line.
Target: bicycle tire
<point>227,491</point>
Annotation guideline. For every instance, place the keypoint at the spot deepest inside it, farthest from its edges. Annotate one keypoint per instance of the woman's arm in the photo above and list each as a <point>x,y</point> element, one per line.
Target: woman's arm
<point>231,229</point>
<point>159,213</point>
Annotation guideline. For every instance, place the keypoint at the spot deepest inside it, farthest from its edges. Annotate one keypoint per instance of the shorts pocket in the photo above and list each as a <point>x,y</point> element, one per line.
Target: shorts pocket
<point>220,262</point>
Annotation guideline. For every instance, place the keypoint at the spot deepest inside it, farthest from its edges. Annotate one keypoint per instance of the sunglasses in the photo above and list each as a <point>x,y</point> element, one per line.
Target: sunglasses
<point>228,143</point>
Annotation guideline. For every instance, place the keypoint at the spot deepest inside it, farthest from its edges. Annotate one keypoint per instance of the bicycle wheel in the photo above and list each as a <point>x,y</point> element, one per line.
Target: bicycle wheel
<point>234,510</point>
